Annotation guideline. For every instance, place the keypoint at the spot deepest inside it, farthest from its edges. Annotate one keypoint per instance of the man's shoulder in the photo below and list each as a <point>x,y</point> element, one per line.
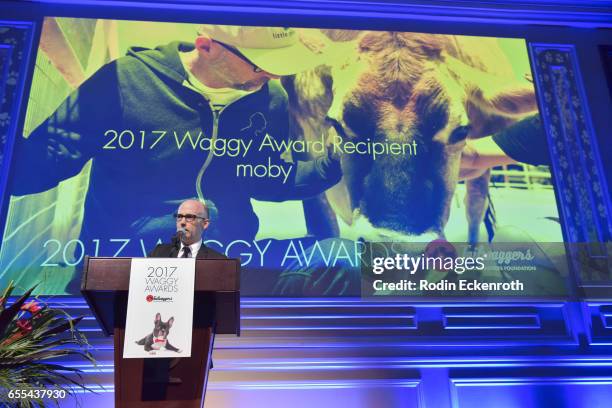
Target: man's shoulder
<point>209,253</point>
<point>160,61</point>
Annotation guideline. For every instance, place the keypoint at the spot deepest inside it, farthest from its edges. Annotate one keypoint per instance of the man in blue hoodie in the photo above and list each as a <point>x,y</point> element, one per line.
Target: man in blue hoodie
<point>156,124</point>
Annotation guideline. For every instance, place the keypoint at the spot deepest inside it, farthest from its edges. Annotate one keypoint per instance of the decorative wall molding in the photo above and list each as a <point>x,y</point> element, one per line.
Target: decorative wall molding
<point>586,13</point>
<point>533,391</point>
<point>599,318</point>
<point>289,352</point>
<point>15,48</point>
<point>582,191</point>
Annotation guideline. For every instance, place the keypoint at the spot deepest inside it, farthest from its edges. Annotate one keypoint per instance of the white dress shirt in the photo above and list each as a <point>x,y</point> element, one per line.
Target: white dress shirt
<point>195,247</point>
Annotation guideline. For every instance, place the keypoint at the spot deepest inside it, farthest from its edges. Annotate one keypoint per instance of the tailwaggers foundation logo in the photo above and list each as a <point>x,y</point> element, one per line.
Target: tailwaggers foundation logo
<point>151,298</point>
<point>514,260</point>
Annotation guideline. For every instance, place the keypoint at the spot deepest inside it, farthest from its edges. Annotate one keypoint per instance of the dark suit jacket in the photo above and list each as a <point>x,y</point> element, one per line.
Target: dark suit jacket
<point>171,251</point>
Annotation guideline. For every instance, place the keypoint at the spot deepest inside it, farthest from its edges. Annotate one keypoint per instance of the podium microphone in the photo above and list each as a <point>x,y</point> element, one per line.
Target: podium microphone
<point>178,237</point>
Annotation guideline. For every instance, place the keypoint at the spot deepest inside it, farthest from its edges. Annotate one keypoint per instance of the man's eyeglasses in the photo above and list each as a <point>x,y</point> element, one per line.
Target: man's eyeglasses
<point>240,55</point>
<point>188,217</point>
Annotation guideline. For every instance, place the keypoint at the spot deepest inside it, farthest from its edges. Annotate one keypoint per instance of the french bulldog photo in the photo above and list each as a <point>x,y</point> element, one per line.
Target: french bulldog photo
<point>159,338</point>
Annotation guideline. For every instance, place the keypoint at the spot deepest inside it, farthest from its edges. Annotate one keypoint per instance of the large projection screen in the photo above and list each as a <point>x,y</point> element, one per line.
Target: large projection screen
<point>118,133</point>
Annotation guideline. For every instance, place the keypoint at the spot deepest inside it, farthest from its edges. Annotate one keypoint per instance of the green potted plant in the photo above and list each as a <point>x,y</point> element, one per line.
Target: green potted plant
<point>32,335</point>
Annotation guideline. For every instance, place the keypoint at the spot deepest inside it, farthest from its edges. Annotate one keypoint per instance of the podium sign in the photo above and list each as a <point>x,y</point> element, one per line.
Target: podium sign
<point>159,318</point>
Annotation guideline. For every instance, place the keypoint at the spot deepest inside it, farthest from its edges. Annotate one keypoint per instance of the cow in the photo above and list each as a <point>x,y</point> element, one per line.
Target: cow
<point>433,90</point>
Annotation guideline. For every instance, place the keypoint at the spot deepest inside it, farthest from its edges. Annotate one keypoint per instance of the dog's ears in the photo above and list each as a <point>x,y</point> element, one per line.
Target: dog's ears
<point>157,317</point>
<point>170,321</point>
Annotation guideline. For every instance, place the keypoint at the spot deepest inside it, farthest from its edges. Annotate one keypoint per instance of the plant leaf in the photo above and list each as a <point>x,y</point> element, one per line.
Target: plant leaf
<point>9,313</point>
<point>68,325</point>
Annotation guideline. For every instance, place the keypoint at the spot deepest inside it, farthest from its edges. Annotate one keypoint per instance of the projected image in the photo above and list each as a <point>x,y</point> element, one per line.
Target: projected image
<point>305,145</point>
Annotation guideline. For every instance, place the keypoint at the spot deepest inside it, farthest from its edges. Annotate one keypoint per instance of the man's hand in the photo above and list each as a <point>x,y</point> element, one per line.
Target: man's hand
<point>468,174</point>
<point>481,154</point>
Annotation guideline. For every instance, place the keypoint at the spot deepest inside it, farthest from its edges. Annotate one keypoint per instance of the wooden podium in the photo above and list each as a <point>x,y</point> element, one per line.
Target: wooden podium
<point>216,309</point>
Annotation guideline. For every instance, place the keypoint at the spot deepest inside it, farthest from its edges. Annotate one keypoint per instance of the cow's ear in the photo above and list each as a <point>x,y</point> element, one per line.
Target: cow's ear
<point>489,113</point>
<point>492,102</point>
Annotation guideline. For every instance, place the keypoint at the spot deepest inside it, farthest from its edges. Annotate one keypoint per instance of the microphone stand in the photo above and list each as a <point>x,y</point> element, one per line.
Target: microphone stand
<point>177,238</point>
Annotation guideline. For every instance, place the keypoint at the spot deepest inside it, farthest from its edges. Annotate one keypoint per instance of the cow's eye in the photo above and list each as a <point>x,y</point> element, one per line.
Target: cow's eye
<point>459,134</point>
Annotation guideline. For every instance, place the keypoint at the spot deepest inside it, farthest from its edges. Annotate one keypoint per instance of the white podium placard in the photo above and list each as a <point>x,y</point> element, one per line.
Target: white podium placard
<point>159,318</point>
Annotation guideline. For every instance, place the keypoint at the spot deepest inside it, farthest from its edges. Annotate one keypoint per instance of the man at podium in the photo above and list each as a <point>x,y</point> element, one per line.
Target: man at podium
<point>192,219</point>
<point>176,382</point>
